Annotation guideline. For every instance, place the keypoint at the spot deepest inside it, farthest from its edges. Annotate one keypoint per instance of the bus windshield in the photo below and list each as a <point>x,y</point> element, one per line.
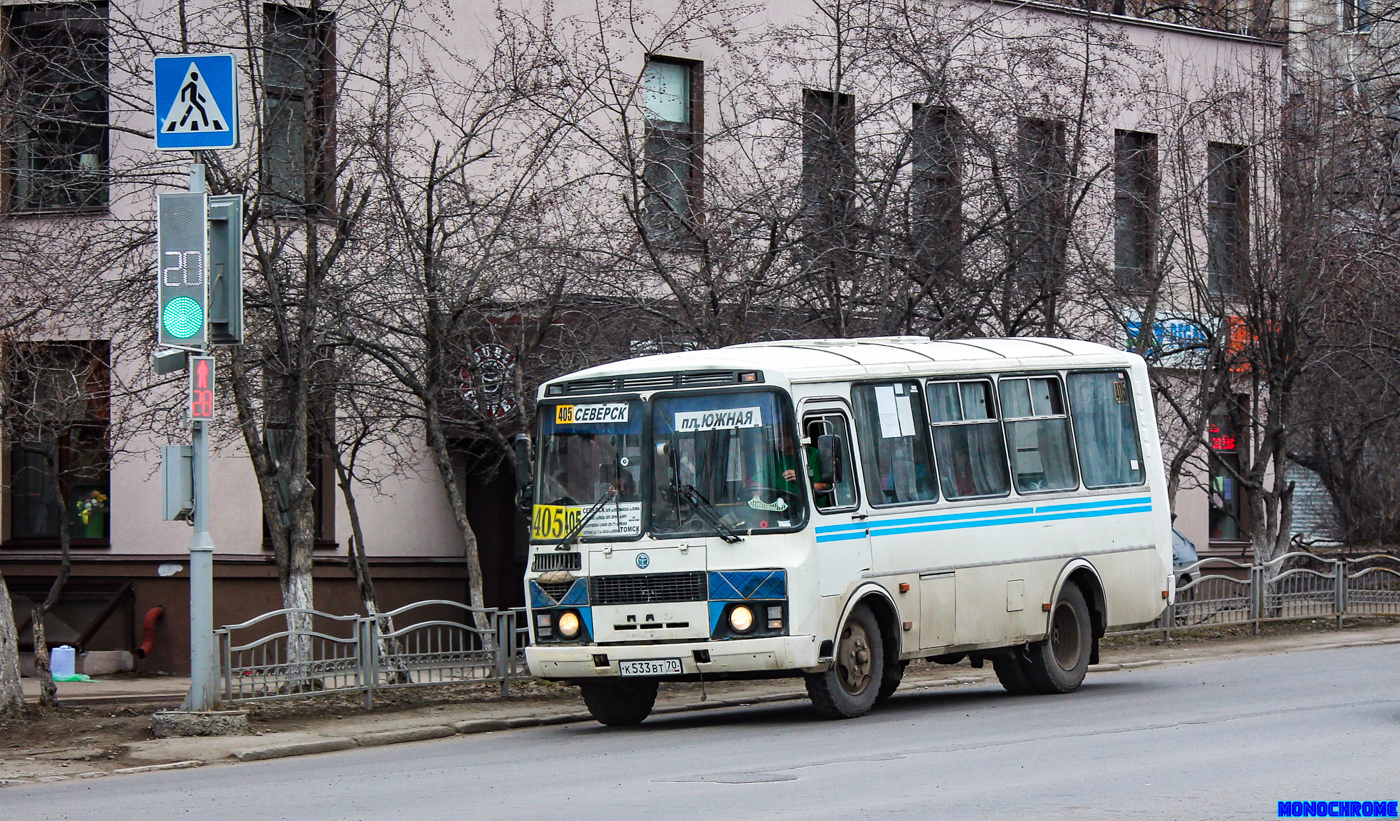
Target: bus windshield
<point>738,455</point>
<point>589,453</point>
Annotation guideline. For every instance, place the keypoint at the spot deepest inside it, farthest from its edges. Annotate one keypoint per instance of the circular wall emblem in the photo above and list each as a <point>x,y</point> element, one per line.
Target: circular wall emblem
<point>642,561</point>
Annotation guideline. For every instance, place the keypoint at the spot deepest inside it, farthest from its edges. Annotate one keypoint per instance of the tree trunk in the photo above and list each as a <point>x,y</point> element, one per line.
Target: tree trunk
<point>48,690</point>
<point>442,457</point>
<point>359,566</point>
<point>11,691</point>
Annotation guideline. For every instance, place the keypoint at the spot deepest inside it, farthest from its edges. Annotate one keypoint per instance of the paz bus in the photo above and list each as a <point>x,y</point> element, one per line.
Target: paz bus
<point>834,509</point>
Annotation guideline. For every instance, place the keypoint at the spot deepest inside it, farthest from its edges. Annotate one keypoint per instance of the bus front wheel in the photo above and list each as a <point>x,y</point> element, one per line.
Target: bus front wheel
<point>619,703</point>
<point>850,687</point>
<point>1058,664</point>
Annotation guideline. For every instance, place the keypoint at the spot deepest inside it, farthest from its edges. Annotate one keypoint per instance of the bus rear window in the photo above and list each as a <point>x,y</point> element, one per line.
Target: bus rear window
<point>1105,429</point>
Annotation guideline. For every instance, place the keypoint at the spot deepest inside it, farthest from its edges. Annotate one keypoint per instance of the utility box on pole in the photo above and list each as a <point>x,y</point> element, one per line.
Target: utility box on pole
<point>177,480</point>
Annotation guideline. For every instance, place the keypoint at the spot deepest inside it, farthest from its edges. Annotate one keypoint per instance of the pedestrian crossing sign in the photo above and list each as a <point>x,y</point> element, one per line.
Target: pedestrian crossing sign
<point>196,102</point>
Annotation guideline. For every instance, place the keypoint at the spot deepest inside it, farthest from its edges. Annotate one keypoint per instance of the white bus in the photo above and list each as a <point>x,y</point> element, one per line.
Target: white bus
<point>834,509</point>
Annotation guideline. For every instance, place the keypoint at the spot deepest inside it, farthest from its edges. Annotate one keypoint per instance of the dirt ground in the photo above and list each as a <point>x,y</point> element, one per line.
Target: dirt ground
<point>91,739</point>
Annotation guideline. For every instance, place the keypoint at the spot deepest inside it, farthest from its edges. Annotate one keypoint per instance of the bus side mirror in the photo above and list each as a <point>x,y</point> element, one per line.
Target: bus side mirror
<point>524,474</point>
<point>829,448</point>
<point>524,462</point>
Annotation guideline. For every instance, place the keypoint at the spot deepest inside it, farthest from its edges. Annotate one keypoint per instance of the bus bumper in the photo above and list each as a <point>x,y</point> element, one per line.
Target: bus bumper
<point>579,661</point>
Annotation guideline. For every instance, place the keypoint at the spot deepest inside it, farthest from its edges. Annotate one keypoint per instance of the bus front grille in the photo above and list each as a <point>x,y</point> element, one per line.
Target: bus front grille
<point>649,587</point>
<point>557,560</point>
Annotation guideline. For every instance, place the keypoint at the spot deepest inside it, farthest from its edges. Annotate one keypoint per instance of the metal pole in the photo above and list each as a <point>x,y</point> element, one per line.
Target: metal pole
<point>203,665</point>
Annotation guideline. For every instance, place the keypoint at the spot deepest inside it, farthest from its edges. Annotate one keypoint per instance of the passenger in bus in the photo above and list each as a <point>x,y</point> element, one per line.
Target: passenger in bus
<point>821,490</point>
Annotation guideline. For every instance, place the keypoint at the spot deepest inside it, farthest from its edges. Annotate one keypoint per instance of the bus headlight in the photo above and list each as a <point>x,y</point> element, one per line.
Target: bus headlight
<point>741,619</point>
<point>568,624</point>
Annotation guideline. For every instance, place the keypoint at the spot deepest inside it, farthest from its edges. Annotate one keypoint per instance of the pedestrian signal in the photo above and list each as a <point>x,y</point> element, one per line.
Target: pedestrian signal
<point>183,285</point>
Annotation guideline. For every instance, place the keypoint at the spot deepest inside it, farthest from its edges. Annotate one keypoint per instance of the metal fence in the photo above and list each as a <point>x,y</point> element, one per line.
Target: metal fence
<point>273,656</point>
<point>1293,586</point>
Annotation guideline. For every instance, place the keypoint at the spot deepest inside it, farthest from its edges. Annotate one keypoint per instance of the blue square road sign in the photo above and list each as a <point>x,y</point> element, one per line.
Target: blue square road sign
<point>196,102</point>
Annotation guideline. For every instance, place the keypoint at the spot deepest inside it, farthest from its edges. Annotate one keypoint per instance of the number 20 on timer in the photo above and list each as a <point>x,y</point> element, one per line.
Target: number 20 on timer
<point>201,398</point>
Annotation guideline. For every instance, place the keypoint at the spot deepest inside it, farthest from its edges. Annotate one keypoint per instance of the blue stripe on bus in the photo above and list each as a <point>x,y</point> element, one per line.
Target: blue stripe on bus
<point>989,518</point>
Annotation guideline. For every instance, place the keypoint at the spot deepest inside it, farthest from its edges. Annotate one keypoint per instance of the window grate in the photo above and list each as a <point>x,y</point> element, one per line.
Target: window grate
<point>649,587</point>
<point>557,561</point>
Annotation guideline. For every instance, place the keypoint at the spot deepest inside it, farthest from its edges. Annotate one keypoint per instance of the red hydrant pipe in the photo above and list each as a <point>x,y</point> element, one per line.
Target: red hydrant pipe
<point>148,640</point>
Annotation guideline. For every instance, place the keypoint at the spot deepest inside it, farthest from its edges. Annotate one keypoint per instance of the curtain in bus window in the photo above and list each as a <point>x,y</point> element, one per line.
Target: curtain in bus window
<point>1105,429</point>
<point>1039,445</point>
<point>894,443</point>
<point>967,441</point>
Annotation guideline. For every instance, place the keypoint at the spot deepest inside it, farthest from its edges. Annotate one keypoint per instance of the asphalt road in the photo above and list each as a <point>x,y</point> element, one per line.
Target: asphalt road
<point>1208,740</point>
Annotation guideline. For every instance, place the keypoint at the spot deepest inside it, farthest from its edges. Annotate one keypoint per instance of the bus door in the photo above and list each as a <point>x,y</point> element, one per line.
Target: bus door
<point>843,540</point>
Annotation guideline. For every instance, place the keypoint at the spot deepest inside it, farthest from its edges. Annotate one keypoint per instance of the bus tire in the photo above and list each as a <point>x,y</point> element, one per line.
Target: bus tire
<point>1058,664</point>
<point>1010,668</point>
<point>850,687</point>
<point>619,703</point>
<point>894,674</point>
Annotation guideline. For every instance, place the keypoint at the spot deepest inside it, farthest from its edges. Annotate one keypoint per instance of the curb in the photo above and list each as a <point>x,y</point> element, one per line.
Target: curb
<point>324,745</point>
<point>151,768</point>
<point>403,736</point>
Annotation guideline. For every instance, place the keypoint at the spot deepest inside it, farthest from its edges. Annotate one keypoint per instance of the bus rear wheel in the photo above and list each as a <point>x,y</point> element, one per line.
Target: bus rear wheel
<point>1058,664</point>
<point>619,703</point>
<point>850,687</point>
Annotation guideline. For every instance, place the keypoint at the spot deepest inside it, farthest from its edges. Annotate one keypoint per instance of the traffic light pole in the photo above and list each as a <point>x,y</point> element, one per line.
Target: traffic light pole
<point>203,667</point>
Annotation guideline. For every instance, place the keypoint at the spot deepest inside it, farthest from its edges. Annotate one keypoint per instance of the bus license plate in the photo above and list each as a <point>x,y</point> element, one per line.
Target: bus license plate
<point>650,667</point>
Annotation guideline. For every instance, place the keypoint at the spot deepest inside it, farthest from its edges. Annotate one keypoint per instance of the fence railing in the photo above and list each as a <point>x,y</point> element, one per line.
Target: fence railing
<point>308,652</point>
<point>1293,586</point>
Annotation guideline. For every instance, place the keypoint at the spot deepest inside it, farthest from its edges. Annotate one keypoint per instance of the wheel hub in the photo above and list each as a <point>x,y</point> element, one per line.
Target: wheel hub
<point>853,660</point>
<point>1064,637</point>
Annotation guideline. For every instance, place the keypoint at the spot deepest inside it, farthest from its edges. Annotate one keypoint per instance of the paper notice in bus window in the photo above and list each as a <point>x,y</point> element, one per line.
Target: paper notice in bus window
<point>726,419</point>
<point>553,522</point>
<point>590,414</point>
<point>896,412</point>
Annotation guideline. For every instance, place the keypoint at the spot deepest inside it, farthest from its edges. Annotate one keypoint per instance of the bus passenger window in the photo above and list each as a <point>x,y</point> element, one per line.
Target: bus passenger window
<point>1105,429</point>
<point>1037,433</point>
<point>829,492</point>
<point>967,440</point>
<point>894,444</point>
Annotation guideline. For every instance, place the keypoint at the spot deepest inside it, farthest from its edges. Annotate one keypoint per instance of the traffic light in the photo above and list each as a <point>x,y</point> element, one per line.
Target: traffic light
<point>226,269</point>
<point>183,243</point>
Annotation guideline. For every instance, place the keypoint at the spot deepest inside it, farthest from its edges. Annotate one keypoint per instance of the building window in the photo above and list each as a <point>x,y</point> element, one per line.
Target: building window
<point>1135,208</point>
<point>56,420</point>
<point>56,106</point>
<point>1227,229</point>
<point>298,150</point>
<point>1042,174</point>
<point>1226,501</point>
<point>673,94</point>
<point>1355,15</point>
<point>936,191</point>
<point>828,156</point>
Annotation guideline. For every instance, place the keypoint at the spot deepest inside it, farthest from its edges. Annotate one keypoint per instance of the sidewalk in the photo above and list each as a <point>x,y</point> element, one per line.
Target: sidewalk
<point>122,689</point>
<point>343,728</point>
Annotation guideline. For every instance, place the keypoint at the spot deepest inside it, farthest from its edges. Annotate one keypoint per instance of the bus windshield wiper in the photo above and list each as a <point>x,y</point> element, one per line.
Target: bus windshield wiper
<point>573,535</point>
<point>707,511</point>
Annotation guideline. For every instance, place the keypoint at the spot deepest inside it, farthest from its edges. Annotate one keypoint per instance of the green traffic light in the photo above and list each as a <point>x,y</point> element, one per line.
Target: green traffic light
<point>182,317</point>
